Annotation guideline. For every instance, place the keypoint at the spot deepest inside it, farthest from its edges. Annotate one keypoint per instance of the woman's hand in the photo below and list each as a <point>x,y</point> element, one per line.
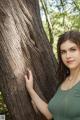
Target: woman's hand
<point>29,80</point>
<point>36,101</point>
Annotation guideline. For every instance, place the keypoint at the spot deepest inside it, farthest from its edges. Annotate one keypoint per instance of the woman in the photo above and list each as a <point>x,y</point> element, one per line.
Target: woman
<point>65,105</point>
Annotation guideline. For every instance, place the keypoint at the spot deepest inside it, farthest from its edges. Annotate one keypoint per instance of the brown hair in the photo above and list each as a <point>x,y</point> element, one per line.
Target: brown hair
<point>73,36</point>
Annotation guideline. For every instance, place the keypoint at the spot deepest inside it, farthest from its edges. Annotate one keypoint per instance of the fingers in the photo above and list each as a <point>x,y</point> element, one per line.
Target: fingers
<point>29,75</point>
<point>26,78</point>
<point>29,80</point>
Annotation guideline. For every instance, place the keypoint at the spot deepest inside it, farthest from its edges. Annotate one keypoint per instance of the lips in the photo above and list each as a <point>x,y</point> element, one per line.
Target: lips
<point>70,61</point>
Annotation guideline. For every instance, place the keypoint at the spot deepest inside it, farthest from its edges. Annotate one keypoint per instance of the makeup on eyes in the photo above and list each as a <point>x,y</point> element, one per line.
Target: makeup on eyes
<point>71,49</point>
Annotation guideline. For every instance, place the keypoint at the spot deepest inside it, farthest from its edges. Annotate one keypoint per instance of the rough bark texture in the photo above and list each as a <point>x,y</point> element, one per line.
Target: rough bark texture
<point>23,44</point>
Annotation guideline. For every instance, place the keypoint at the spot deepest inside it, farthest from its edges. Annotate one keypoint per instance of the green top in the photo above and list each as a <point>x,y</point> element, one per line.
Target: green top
<point>65,105</point>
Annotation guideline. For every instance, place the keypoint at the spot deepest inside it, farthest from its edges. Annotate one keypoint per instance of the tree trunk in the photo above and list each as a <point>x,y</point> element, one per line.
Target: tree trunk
<point>23,44</point>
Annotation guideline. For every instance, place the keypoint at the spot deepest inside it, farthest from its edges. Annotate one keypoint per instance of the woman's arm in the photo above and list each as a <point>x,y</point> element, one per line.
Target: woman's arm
<point>41,105</point>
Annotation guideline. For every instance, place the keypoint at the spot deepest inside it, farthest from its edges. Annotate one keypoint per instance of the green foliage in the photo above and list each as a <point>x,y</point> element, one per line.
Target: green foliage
<point>3,107</point>
<point>64,15</point>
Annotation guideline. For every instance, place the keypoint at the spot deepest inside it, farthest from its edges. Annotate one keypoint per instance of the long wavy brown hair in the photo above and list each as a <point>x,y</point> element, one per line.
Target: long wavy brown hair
<point>73,36</point>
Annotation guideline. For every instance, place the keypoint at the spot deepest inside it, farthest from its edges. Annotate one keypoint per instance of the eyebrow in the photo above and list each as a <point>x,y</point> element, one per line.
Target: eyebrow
<point>69,48</point>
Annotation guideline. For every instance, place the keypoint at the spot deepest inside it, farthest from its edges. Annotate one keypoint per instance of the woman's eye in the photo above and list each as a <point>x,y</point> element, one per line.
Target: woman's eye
<point>73,50</point>
<point>63,52</point>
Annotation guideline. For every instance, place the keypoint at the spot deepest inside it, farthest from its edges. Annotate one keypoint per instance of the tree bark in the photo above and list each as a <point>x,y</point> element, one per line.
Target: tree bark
<point>23,44</point>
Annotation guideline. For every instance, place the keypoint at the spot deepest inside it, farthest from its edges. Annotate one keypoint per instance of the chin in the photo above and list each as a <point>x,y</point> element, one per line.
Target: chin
<point>71,67</point>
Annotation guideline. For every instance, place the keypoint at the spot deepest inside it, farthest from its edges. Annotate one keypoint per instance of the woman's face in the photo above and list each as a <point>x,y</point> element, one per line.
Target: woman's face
<point>70,54</point>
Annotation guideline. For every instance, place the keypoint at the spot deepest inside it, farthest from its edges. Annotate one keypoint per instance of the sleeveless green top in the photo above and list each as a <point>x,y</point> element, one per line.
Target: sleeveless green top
<point>65,105</point>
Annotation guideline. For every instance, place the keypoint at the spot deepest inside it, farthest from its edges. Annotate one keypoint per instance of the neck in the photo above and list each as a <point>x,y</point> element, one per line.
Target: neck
<point>75,72</point>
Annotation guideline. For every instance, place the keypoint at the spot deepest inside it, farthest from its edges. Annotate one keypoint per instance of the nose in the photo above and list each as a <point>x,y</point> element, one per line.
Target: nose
<point>68,55</point>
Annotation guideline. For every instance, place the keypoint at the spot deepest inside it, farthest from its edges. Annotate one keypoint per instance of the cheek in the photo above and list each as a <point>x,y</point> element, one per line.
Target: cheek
<point>77,55</point>
<point>78,59</point>
<point>63,57</point>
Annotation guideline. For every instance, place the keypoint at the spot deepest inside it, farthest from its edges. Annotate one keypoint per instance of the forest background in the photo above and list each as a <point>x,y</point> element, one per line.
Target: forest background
<point>57,16</point>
